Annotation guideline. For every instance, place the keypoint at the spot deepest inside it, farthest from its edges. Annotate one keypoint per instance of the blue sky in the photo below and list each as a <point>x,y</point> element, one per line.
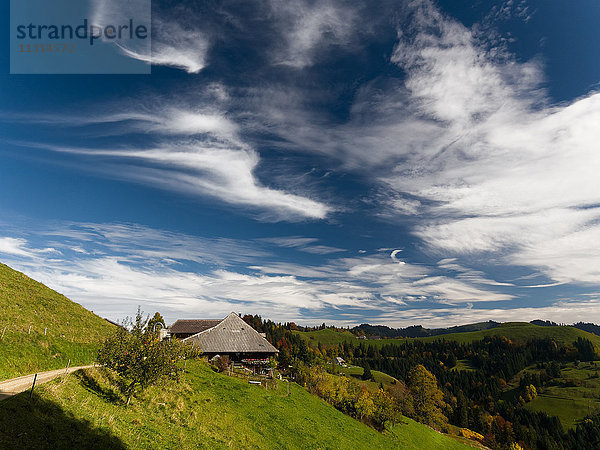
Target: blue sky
<point>393,162</point>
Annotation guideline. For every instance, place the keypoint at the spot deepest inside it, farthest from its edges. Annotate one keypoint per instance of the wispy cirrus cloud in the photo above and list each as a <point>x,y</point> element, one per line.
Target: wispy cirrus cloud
<point>175,47</point>
<point>470,144</point>
<point>310,27</point>
<point>511,175</point>
<point>200,152</point>
<point>206,169</point>
<point>176,42</point>
<point>112,268</point>
<point>304,244</point>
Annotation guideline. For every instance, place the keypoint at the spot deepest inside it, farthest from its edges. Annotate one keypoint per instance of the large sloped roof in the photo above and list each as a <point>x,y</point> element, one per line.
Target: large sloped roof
<point>192,325</point>
<point>231,335</point>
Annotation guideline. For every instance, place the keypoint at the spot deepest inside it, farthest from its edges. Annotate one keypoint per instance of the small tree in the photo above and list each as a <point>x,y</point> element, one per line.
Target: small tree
<point>222,363</point>
<point>367,375</point>
<point>138,357</point>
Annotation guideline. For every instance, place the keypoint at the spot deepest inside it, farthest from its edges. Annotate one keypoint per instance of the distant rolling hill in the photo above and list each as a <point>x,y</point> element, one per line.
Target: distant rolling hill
<point>521,332</point>
<point>516,331</point>
<point>29,309</point>
<point>419,331</point>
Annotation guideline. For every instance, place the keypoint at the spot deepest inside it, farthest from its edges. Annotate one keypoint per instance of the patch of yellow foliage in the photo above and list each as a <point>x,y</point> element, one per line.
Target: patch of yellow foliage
<point>470,434</point>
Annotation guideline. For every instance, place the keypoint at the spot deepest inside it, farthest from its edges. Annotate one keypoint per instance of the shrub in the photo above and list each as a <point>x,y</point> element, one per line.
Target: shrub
<point>367,375</point>
<point>138,357</point>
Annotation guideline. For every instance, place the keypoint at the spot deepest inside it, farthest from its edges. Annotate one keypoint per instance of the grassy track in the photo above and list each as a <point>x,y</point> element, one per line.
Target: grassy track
<point>72,332</point>
<point>205,410</point>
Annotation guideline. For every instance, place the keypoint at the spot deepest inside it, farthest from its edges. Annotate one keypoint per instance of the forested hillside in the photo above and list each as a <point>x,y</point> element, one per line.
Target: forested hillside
<point>506,383</point>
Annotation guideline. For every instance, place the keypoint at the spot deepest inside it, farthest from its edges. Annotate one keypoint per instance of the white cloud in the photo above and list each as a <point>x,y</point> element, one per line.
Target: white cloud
<point>216,171</point>
<point>15,246</point>
<point>172,45</point>
<point>477,152</point>
<point>112,268</point>
<point>512,177</point>
<point>321,249</point>
<point>290,241</point>
<point>309,27</point>
<point>201,153</point>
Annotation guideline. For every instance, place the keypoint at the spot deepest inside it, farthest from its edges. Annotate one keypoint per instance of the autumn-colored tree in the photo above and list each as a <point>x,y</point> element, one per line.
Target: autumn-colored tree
<point>385,410</point>
<point>530,393</point>
<point>402,398</point>
<point>364,405</point>
<point>428,400</point>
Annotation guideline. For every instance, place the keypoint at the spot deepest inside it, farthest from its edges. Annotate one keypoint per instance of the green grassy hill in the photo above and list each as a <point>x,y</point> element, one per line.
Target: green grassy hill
<point>516,331</point>
<point>570,397</point>
<point>327,336</point>
<point>521,332</point>
<point>72,332</point>
<point>205,410</point>
<point>356,372</point>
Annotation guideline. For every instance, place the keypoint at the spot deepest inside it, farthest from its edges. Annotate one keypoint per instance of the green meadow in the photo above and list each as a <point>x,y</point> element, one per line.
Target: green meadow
<point>204,410</point>
<point>356,372</point>
<point>570,397</point>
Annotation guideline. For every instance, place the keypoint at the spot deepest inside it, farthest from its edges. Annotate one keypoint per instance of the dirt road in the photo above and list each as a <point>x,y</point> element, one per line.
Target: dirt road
<point>16,385</point>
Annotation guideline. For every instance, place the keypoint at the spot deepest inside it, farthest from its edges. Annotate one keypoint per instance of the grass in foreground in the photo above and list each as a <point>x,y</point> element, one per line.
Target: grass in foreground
<point>206,410</point>
<point>72,332</point>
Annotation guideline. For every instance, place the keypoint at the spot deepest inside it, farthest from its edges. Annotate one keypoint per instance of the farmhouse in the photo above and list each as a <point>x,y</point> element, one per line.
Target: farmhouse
<point>228,337</point>
<point>339,361</point>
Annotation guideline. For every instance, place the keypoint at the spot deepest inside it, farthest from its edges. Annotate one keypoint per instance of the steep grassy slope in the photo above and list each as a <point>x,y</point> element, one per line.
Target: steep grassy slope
<point>205,410</point>
<point>516,331</point>
<point>72,332</point>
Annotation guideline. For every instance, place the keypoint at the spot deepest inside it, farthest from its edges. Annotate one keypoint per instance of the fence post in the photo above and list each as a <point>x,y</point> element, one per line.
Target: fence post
<point>33,386</point>
<point>45,330</point>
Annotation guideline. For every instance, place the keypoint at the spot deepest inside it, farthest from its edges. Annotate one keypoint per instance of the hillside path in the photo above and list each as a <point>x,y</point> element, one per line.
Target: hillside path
<point>17,385</point>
